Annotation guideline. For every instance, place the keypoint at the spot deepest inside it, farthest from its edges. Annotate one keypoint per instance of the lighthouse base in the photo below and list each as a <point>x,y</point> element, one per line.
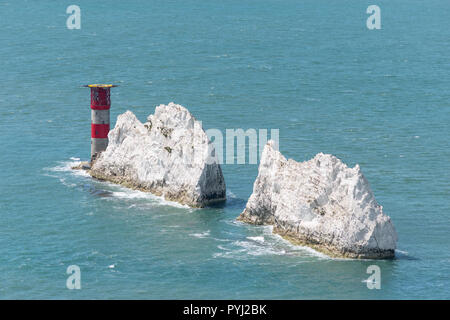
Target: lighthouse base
<point>98,145</point>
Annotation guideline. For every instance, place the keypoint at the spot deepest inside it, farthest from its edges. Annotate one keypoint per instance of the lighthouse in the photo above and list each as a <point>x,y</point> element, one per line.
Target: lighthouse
<point>100,107</point>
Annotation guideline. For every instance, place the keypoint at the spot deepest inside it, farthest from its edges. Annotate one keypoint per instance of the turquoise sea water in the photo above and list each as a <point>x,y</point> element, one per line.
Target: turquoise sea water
<point>312,69</point>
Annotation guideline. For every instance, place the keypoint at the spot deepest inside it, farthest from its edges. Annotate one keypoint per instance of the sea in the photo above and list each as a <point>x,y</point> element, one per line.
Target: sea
<point>312,69</point>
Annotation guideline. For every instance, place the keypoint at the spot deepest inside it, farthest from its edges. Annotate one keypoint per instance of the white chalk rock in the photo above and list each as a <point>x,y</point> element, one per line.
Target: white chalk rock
<point>320,203</point>
<point>170,155</point>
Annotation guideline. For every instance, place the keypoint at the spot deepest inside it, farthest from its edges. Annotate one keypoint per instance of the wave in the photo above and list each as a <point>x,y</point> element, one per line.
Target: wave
<point>404,255</point>
<point>131,194</point>
<point>201,235</point>
<point>269,238</point>
<point>257,239</point>
<point>117,192</point>
<point>266,243</point>
<point>297,248</point>
<point>66,166</point>
<point>70,185</point>
<point>230,195</point>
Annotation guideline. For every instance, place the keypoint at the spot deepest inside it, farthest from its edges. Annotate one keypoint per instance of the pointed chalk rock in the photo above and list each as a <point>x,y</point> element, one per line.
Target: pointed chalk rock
<point>169,155</point>
<point>320,203</point>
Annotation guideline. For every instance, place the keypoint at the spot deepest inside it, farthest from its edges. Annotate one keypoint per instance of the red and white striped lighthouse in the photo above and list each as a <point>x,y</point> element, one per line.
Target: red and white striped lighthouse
<point>100,105</point>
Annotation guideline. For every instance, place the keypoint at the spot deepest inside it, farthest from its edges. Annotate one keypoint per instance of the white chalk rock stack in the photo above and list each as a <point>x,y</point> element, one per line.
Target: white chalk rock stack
<point>320,203</point>
<point>170,155</point>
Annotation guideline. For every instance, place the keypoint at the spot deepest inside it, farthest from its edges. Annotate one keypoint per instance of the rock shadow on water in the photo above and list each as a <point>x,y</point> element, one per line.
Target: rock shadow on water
<point>97,192</point>
<point>228,203</point>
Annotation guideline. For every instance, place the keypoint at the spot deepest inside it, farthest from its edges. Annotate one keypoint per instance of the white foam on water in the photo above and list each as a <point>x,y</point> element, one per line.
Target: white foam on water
<point>230,195</point>
<point>201,235</point>
<point>125,193</point>
<point>257,239</point>
<point>236,222</point>
<point>222,240</point>
<point>241,249</point>
<point>50,175</point>
<point>70,185</point>
<point>121,193</point>
<point>130,195</point>
<point>233,254</point>
<point>66,166</point>
<point>257,250</point>
<point>272,243</point>
<point>310,251</point>
<point>400,254</point>
<point>220,56</point>
<point>279,240</point>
